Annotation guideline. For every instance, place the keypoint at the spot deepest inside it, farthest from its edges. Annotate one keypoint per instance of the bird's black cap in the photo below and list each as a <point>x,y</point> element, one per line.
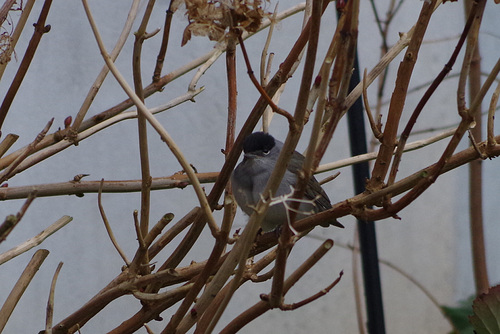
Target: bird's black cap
<point>258,141</point>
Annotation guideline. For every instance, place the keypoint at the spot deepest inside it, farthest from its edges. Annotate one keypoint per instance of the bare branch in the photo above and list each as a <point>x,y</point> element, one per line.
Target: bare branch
<point>21,285</point>
<point>35,241</point>
<point>108,227</point>
<point>50,302</point>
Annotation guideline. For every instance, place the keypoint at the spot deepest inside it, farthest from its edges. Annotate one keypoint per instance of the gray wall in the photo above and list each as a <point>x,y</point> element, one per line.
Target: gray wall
<point>430,242</point>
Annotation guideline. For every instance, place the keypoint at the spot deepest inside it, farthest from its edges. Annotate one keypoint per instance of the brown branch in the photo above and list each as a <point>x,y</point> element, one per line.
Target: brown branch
<point>158,228</point>
<point>491,117</point>
<point>164,42</point>
<point>7,142</point>
<point>82,187</point>
<point>4,10</point>
<point>405,71</point>
<point>427,95</point>
<point>286,238</point>
<point>264,305</point>
<point>96,86</point>
<point>50,302</point>
<point>11,221</point>
<point>140,261</point>
<point>40,29</point>
<point>375,126</point>
<point>479,264</point>
<point>108,227</point>
<point>261,90</point>
<point>12,169</point>
<point>21,285</point>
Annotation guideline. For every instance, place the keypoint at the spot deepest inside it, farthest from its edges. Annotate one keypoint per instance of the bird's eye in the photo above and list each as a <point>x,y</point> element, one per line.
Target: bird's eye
<point>265,151</point>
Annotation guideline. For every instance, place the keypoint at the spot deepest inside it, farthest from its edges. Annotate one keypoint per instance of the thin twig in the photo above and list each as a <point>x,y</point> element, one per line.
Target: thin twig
<point>25,12</point>
<point>12,169</point>
<point>94,89</point>
<point>157,229</point>
<point>11,221</point>
<point>50,302</point>
<point>40,30</point>
<point>35,241</point>
<point>138,230</point>
<point>164,42</point>
<point>491,117</point>
<point>263,306</point>
<point>261,90</point>
<point>376,128</point>
<point>108,227</point>
<point>65,143</point>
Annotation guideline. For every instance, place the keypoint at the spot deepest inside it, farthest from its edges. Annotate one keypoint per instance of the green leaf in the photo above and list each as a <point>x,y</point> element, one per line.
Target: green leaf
<point>459,316</point>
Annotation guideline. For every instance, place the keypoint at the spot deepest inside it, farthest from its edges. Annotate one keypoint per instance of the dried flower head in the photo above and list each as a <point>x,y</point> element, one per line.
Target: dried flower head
<point>213,17</point>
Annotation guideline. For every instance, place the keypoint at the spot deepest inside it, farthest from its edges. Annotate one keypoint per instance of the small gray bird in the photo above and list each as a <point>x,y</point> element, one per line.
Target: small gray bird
<point>250,177</point>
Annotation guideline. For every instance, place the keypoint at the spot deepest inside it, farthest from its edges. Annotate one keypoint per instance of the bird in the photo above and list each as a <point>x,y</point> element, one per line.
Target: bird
<point>249,179</point>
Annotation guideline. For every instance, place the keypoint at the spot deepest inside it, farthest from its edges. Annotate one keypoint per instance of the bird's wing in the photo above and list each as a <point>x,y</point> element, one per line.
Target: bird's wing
<point>313,187</point>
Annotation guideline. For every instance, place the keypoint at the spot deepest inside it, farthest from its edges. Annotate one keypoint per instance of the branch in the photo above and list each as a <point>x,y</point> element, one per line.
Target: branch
<point>50,302</point>
<point>156,125</point>
<point>96,86</point>
<point>82,187</point>
<point>11,221</point>
<point>140,261</point>
<point>65,143</point>
<point>388,140</point>
<point>25,12</point>
<point>427,95</point>
<point>21,285</point>
<point>12,169</point>
<point>40,29</point>
<point>35,241</point>
<point>108,227</point>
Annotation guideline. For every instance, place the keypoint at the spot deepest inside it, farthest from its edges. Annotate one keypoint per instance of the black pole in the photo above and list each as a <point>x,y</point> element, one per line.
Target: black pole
<point>367,235</point>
